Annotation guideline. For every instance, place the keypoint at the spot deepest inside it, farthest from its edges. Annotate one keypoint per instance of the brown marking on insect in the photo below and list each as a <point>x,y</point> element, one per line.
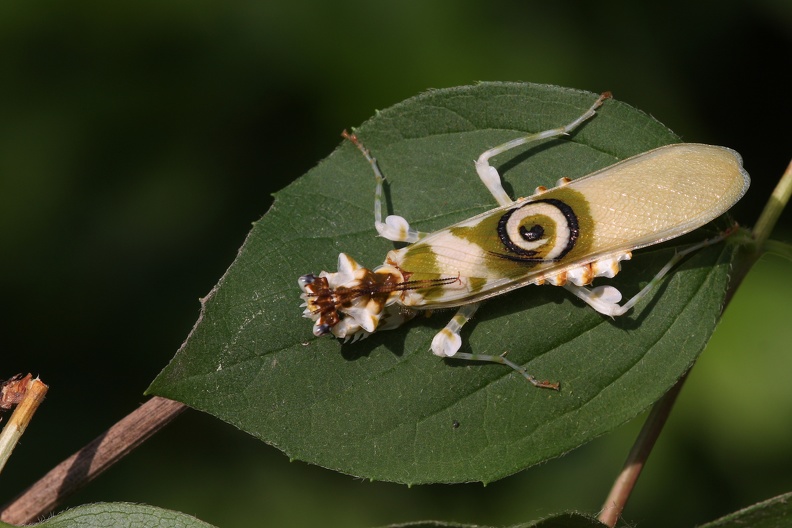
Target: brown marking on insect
<point>376,287</point>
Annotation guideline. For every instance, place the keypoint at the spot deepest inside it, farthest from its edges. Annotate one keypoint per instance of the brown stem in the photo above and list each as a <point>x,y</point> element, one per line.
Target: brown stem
<point>87,463</point>
<point>625,482</point>
<point>636,459</point>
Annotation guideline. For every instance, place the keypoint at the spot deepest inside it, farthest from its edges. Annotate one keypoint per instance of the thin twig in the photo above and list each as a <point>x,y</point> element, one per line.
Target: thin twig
<point>778,200</point>
<point>625,482</point>
<point>28,398</point>
<point>87,463</point>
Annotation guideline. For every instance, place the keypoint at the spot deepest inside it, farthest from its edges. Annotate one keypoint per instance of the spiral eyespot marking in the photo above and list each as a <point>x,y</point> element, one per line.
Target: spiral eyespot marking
<point>538,231</point>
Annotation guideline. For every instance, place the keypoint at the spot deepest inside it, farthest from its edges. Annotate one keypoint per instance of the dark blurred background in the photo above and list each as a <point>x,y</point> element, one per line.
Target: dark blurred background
<point>139,140</point>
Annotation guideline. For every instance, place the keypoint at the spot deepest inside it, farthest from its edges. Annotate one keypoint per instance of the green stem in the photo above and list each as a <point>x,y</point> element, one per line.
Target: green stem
<point>758,243</point>
<point>778,200</point>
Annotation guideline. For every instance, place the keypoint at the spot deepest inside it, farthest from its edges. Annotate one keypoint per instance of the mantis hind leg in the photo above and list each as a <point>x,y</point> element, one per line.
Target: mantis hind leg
<point>605,299</point>
<point>542,384</point>
<point>448,341</point>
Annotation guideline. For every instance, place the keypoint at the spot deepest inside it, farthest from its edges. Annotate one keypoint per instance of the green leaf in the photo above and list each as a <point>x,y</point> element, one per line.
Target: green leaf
<point>385,408</point>
<point>772,513</point>
<point>120,514</point>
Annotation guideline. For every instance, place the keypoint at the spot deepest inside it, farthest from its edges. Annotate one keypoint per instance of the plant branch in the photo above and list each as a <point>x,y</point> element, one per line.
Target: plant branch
<point>28,394</point>
<point>625,482</point>
<point>778,200</point>
<point>87,463</point>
